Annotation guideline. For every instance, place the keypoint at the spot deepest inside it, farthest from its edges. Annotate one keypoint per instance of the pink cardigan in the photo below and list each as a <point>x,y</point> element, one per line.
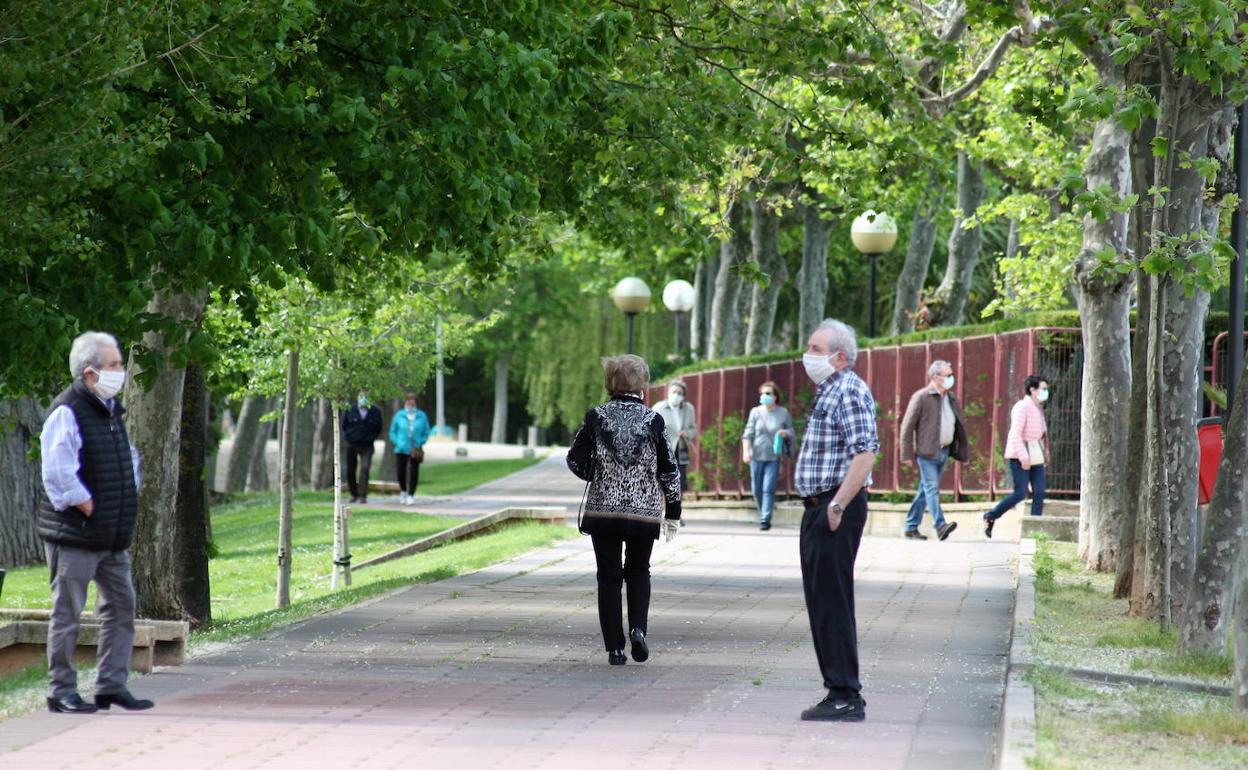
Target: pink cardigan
<point>1026,424</point>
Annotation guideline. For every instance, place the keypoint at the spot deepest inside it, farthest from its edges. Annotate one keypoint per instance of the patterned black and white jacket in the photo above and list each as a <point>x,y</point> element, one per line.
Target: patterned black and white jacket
<point>621,450</point>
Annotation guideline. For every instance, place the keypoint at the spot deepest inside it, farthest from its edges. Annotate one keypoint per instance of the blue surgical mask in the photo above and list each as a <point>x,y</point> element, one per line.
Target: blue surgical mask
<point>362,401</point>
<point>949,382</point>
<point>766,399</point>
<point>1042,395</point>
<point>411,411</point>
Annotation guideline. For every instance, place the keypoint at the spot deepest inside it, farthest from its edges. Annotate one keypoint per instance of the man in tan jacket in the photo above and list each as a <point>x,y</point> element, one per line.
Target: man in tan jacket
<point>931,432</point>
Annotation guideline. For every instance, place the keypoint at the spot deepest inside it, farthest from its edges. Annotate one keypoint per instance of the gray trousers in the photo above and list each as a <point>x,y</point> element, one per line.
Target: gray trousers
<point>72,570</point>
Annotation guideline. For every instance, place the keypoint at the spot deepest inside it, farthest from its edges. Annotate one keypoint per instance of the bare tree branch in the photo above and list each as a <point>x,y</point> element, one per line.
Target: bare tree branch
<point>1014,36</point>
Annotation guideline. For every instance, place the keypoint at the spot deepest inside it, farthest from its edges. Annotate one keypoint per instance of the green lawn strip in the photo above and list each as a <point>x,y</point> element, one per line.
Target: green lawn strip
<point>451,478</point>
<point>1082,724</point>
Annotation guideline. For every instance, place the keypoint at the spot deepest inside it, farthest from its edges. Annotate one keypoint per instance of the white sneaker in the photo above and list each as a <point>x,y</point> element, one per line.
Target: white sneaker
<point>402,498</point>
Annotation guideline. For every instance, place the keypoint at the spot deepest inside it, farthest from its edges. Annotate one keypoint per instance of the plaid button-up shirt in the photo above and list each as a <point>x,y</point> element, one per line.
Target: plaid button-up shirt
<point>841,424</point>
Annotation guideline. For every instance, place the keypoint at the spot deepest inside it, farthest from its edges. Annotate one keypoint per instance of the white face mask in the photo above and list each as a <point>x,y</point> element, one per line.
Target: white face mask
<point>949,382</point>
<point>818,368</point>
<point>1042,395</point>
<point>675,398</point>
<point>109,383</point>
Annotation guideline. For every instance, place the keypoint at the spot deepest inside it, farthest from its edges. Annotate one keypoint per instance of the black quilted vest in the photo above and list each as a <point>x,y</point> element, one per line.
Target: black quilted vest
<point>106,470</point>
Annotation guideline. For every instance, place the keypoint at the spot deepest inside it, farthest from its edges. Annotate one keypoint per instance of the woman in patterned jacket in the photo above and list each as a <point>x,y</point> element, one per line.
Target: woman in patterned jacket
<point>633,493</point>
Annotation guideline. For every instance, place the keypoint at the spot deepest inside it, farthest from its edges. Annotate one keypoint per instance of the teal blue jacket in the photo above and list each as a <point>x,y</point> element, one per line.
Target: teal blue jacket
<point>405,440</point>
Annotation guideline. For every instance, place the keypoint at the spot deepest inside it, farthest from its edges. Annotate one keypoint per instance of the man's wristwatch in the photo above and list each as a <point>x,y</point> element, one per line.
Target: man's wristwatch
<point>836,508</point>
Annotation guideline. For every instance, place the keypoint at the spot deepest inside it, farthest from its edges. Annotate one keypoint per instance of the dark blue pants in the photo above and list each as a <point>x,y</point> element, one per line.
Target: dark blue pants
<point>1022,477</point>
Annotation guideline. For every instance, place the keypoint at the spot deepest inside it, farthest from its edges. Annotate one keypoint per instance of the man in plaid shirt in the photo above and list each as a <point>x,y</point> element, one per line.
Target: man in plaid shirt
<point>833,469</point>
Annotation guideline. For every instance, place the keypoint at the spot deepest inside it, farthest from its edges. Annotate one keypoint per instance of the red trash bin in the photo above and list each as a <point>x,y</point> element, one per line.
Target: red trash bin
<point>1209,434</point>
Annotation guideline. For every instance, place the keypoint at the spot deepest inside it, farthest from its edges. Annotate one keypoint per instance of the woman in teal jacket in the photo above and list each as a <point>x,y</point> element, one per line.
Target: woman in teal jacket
<point>409,430</point>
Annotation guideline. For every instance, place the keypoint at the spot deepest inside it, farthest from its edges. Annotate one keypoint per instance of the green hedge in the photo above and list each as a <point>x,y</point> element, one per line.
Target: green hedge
<point>1215,324</point>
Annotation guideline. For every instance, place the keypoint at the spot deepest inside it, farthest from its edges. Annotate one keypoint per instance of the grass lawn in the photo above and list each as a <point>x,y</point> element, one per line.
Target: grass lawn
<point>450,478</point>
<point>244,571</point>
<point>1086,725</point>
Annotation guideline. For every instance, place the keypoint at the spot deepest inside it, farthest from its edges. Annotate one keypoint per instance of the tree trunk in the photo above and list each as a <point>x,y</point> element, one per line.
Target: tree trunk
<point>1103,299</point>
<point>724,315</point>
<point>918,258</point>
<point>191,559</point>
<point>387,465</point>
<point>765,242</point>
<point>1138,240</point>
<point>243,444</point>
<point>154,421</point>
<point>258,473</point>
<point>323,446</point>
<point>1204,627</point>
<point>948,302</point>
<point>1148,595</point>
<point>21,482</point>
<point>1240,625</point>
<point>698,318</point>
<point>502,367</point>
<point>812,277</point>
<point>286,482</point>
<point>1129,542</point>
<point>305,430</point>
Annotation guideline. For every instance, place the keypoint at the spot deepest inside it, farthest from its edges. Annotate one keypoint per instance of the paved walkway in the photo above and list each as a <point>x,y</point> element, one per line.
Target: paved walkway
<point>504,668</point>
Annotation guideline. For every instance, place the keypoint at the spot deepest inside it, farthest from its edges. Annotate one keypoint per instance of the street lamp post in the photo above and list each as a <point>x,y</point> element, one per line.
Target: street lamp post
<point>679,297</point>
<point>631,296</point>
<point>873,234</point>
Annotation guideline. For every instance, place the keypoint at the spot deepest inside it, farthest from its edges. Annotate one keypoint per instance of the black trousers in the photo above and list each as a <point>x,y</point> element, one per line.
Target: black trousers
<point>828,579</point>
<point>364,461</point>
<point>402,464</point>
<point>611,575</point>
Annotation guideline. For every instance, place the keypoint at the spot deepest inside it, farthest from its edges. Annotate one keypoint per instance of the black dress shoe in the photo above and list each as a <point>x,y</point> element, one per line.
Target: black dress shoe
<point>913,534</point>
<point>641,650</point>
<point>945,530</point>
<point>617,658</point>
<point>988,526</point>
<point>123,699</point>
<point>70,704</point>
<point>836,710</point>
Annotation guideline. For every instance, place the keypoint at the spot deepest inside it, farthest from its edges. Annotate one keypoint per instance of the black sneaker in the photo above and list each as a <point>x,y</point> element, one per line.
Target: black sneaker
<point>617,658</point>
<point>945,530</point>
<point>836,710</point>
<point>913,534</point>
<point>763,526</point>
<point>641,650</point>
<point>988,526</point>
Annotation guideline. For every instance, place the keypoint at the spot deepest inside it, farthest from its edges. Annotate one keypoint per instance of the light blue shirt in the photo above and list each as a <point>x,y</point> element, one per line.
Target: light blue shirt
<point>59,444</point>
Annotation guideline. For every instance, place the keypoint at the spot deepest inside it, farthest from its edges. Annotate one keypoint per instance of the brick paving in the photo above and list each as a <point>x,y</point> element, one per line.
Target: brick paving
<point>504,668</point>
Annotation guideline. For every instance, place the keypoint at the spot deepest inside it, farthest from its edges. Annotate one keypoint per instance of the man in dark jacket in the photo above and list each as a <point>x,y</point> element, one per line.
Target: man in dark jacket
<point>86,518</point>
<point>931,432</point>
<point>361,425</point>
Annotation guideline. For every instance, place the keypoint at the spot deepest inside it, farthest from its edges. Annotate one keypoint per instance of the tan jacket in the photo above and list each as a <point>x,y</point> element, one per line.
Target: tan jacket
<point>920,428</point>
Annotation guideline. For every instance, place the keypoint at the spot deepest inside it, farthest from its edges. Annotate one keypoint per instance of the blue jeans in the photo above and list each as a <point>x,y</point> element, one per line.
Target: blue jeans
<point>1034,475</point>
<point>928,495</point>
<point>764,474</point>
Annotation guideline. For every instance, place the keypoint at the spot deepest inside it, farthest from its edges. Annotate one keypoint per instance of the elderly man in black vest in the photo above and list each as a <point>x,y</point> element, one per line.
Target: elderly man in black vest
<point>91,479</point>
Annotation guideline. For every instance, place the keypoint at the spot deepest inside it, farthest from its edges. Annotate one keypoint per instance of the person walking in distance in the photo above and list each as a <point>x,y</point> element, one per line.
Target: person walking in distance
<point>86,519</point>
<point>764,442</point>
<point>932,431</point>
<point>832,473</point>
<point>680,425</point>
<point>361,425</point>
<point>409,430</point>
<point>632,495</point>
<point>1026,450</point>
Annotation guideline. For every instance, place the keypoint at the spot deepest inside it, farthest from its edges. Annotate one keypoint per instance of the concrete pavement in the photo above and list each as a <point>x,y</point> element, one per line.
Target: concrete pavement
<point>504,668</point>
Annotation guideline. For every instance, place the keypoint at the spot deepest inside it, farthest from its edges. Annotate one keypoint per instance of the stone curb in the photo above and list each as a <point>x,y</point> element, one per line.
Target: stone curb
<point>552,515</point>
<point>1017,747</point>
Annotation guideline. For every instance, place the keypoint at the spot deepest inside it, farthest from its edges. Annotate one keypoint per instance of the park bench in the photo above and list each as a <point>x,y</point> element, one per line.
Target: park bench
<point>24,636</point>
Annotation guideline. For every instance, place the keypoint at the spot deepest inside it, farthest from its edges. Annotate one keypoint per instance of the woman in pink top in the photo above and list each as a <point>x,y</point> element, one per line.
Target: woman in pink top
<point>1026,450</point>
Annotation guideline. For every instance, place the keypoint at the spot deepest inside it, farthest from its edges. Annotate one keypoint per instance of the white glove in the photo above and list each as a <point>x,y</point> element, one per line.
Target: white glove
<point>670,528</point>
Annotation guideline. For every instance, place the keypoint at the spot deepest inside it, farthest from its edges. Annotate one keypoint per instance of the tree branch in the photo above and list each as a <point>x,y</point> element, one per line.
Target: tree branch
<point>1014,36</point>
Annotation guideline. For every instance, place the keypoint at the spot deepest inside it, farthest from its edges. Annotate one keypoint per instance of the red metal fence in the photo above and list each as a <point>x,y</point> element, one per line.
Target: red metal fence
<point>1220,365</point>
<point>990,372</point>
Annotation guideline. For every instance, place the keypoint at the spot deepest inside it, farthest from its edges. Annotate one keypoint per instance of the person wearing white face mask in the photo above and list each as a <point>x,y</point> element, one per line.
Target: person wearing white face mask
<point>1026,450</point>
<point>86,518</point>
<point>832,473</point>
<point>932,432</point>
<point>409,430</point>
<point>680,426</point>
<point>764,442</point>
